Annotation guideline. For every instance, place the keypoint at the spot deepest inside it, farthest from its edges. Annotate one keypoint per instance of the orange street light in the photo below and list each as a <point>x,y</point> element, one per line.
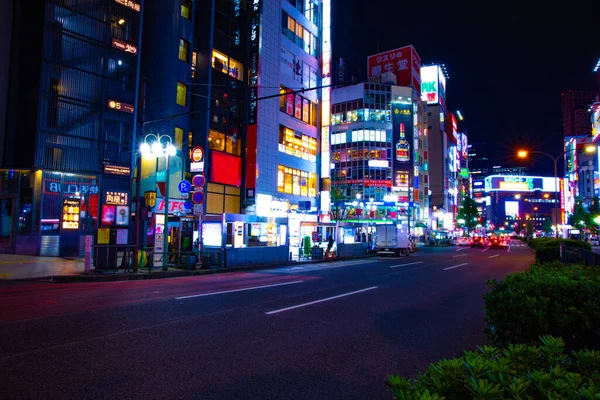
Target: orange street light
<point>522,153</point>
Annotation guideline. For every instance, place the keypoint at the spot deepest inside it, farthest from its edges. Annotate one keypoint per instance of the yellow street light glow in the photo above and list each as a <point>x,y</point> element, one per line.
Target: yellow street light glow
<point>121,21</point>
<point>590,149</point>
<point>522,153</point>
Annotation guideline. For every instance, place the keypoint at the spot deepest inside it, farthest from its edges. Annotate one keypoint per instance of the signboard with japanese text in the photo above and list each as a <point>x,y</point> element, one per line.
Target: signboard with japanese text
<point>128,3</point>
<point>126,47</point>
<point>116,198</point>
<point>70,214</point>
<point>120,106</point>
<point>103,235</point>
<point>403,62</point>
<point>402,140</point>
<point>51,186</point>
<point>515,183</point>
<point>120,170</point>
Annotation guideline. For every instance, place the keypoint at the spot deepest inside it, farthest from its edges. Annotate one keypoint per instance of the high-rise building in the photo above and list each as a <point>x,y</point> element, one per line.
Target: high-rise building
<point>378,152</point>
<point>575,111</point>
<point>68,124</point>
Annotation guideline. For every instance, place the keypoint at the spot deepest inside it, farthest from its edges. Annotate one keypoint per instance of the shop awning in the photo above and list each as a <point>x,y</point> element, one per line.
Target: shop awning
<point>420,225</point>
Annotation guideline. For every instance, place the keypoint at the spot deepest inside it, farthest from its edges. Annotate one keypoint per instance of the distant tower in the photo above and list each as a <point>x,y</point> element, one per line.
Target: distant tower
<point>341,71</point>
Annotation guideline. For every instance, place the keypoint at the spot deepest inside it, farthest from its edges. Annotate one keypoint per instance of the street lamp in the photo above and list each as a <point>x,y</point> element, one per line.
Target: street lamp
<point>156,146</point>
<point>524,153</point>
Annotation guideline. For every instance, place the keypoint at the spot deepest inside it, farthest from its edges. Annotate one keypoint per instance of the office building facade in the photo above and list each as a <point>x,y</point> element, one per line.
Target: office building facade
<point>69,121</point>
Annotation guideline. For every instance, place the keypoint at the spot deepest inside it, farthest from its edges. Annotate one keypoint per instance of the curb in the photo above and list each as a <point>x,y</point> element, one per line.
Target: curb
<point>93,277</point>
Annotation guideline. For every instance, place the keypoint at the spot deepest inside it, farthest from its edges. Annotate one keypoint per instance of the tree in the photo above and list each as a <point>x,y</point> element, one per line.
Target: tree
<point>468,215</point>
<point>580,216</point>
<point>593,214</point>
<point>547,225</point>
<point>338,203</point>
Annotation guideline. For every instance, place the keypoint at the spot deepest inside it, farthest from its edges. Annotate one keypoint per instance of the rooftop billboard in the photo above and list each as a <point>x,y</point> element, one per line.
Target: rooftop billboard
<point>514,183</point>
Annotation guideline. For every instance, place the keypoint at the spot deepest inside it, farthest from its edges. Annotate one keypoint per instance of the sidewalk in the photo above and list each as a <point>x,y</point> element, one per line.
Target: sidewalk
<point>17,267</point>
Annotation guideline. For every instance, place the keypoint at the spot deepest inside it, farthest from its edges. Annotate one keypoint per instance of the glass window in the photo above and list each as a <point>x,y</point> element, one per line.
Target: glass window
<point>216,140</point>
<point>234,145</point>
<point>236,70</point>
<point>184,48</point>
<point>219,61</point>
<point>179,139</point>
<point>291,24</point>
<point>181,94</point>
<point>186,8</point>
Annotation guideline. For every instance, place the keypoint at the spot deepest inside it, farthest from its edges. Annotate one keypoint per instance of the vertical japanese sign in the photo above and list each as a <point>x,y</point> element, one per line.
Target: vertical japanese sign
<point>325,102</point>
<point>403,62</point>
<point>251,133</point>
<point>402,139</point>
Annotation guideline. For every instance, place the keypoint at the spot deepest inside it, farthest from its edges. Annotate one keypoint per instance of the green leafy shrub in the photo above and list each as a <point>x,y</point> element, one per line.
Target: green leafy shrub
<point>547,253</point>
<point>516,372</point>
<point>551,299</point>
<point>548,249</point>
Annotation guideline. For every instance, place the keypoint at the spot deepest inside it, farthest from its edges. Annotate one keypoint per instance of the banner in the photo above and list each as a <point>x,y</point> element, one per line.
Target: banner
<point>402,143</point>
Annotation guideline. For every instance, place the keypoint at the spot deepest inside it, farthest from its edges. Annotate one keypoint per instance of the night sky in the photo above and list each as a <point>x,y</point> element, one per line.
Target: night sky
<point>507,67</point>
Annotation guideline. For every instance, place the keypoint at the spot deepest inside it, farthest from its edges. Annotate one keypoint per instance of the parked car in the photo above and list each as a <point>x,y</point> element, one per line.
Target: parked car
<point>593,240</point>
<point>463,241</point>
<point>480,241</point>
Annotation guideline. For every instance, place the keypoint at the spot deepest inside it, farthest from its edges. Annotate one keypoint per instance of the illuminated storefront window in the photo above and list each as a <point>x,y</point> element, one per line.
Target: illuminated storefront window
<point>296,144</point>
<point>297,182</point>
<point>222,142</point>
<point>298,107</point>
<point>227,65</point>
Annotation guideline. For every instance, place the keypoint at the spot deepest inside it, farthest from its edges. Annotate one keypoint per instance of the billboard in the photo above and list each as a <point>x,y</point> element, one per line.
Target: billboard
<point>451,128</point>
<point>513,183</point>
<point>441,88</point>
<point>511,209</point>
<point>403,62</point>
<point>595,120</point>
<point>430,84</point>
<point>402,140</point>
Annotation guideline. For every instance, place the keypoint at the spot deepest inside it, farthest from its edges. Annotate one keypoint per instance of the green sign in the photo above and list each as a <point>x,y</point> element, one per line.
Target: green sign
<point>464,172</point>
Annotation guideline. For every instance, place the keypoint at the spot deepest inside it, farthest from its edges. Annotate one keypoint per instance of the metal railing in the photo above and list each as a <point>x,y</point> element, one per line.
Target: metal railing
<point>578,255</point>
<point>120,258</point>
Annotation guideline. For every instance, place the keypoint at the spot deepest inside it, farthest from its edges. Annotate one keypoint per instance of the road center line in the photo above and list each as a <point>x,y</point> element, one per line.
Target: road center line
<point>461,255</point>
<point>456,266</point>
<point>236,290</point>
<point>486,249</point>
<point>461,249</point>
<point>495,255</point>
<point>404,265</point>
<point>319,301</point>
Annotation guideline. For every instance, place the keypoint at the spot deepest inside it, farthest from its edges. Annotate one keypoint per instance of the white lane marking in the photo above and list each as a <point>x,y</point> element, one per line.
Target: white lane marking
<point>508,251</point>
<point>237,290</point>
<point>315,267</point>
<point>456,266</point>
<point>461,249</point>
<point>486,249</point>
<point>319,301</point>
<point>495,255</point>
<point>404,265</point>
<point>461,255</point>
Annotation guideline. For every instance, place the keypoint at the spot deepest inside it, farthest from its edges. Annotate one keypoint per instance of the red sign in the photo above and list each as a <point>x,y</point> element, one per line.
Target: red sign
<point>126,47</point>
<point>174,205</point>
<point>451,128</point>
<point>369,182</point>
<point>198,197</point>
<point>198,180</point>
<point>197,154</point>
<point>225,168</point>
<point>404,62</point>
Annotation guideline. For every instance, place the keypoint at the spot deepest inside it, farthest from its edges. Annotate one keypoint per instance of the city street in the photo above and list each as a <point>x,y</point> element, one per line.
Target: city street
<point>314,331</point>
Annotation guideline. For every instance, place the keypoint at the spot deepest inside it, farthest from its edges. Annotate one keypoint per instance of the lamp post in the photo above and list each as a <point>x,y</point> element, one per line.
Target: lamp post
<point>525,153</point>
<point>160,149</point>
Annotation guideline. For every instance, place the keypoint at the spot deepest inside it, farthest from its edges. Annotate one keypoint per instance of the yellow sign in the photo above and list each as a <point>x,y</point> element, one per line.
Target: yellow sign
<point>70,214</point>
<point>516,186</point>
<point>103,235</point>
<point>150,198</point>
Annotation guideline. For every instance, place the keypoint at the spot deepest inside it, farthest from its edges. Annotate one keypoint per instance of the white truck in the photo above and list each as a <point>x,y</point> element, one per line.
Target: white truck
<point>393,240</point>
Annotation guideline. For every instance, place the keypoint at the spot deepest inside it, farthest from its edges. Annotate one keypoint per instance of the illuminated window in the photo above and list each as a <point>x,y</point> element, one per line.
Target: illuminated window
<point>179,139</point>
<point>293,181</point>
<point>184,48</point>
<point>186,8</point>
<point>216,140</point>
<point>234,146</point>
<point>227,65</point>
<point>194,63</point>
<point>181,94</point>
<point>296,144</point>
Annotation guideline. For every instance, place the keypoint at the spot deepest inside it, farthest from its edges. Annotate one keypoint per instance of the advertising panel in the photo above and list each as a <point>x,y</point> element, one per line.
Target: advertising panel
<point>595,120</point>
<point>442,88</point>
<point>511,209</point>
<point>403,62</point>
<point>451,128</point>
<point>402,137</point>
<point>226,169</point>
<point>430,84</point>
<point>510,183</point>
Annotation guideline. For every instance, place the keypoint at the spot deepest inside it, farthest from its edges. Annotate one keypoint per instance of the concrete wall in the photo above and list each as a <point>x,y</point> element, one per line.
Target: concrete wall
<point>256,256</point>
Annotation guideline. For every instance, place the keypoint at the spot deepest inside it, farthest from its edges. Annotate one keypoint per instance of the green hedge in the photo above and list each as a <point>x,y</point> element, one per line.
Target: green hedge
<point>548,249</point>
<point>551,299</point>
<point>516,372</point>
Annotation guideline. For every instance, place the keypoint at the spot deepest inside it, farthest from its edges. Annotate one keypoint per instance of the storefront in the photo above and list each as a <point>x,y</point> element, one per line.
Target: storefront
<point>181,229</point>
<point>247,239</point>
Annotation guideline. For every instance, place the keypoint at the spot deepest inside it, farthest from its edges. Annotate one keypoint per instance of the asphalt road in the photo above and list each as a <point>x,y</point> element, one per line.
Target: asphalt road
<point>324,331</point>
